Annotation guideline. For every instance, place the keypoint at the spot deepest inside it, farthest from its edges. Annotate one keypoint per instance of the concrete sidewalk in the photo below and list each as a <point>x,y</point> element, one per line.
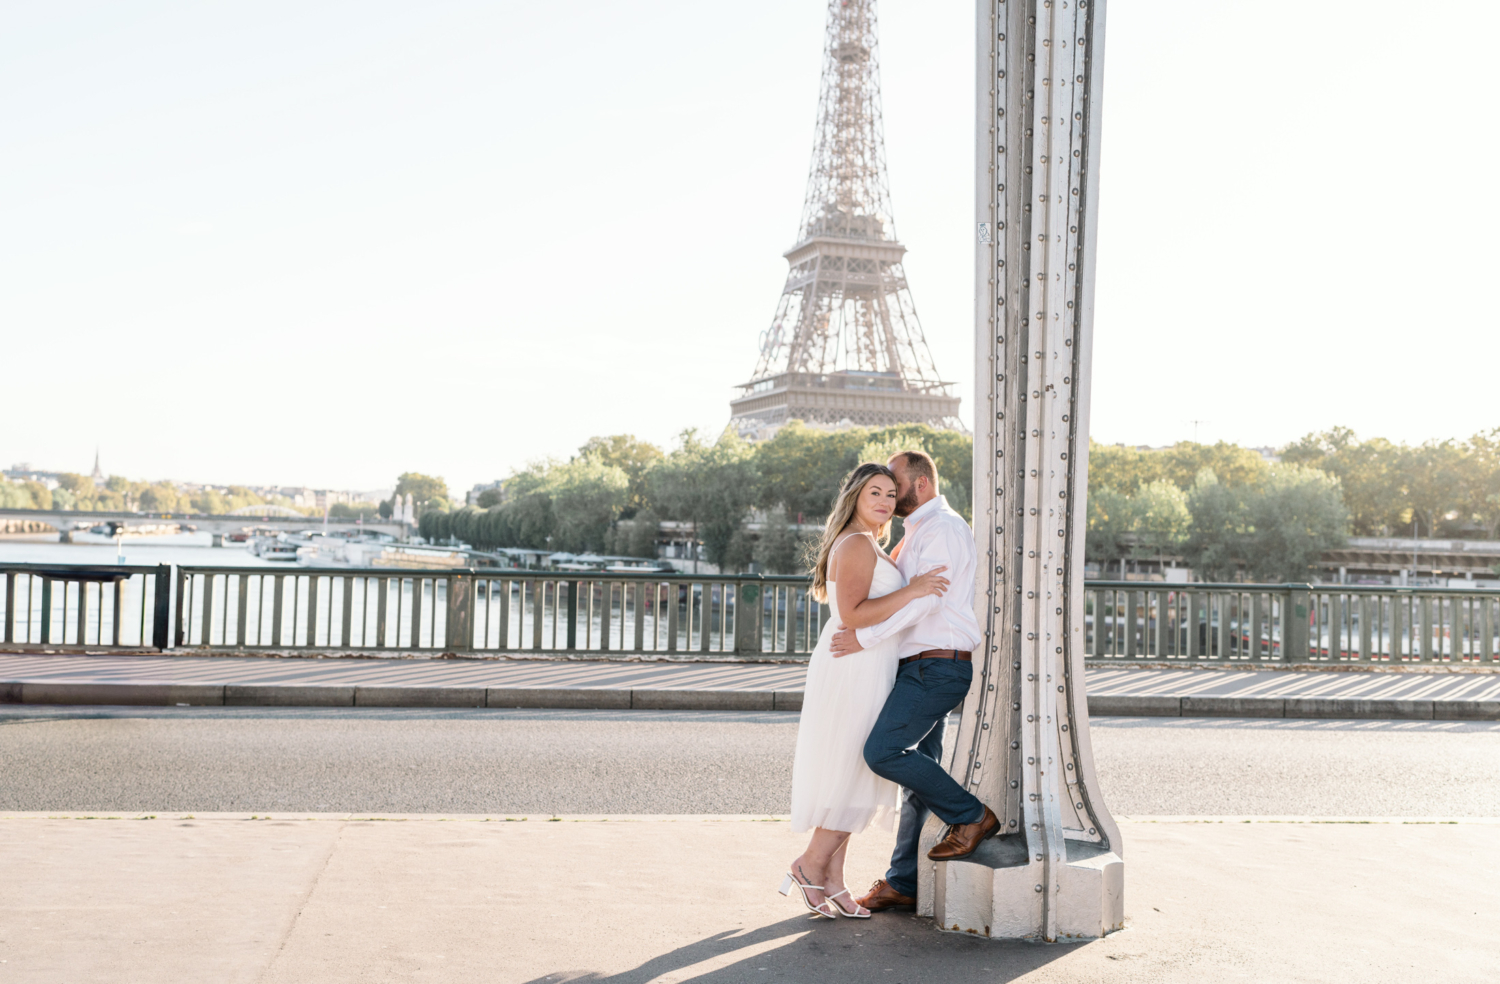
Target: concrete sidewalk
<point>666,899</point>
<point>356,682</point>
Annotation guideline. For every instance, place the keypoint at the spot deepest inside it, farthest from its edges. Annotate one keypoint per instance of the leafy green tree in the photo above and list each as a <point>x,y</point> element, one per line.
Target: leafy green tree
<point>80,485</point>
<point>489,498</point>
<point>587,496</point>
<point>711,486</point>
<point>353,510</point>
<point>1160,520</point>
<point>739,551</point>
<point>629,454</point>
<point>1275,531</point>
<point>161,498</point>
<point>642,539</point>
<point>1219,530</point>
<point>466,524</point>
<point>1129,469</point>
<point>1232,464</point>
<point>40,494</point>
<point>64,499</point>
<point>779,549</point>
<point>14,495</point>
<point>1371,473</point>
<point>1482,481</point>
<point>1296,514</point>
<point>801,467</point>
<point>210,502</point>
<point>1434,480</point>
<point>429,492</point>
<point>525,521</point>
<point>1124,469</point>
<point>1111,516</point>
<point>435,526</point>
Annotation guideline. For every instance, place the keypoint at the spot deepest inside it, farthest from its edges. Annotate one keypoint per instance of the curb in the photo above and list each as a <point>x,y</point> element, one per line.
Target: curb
<point>581,698</point>
<point>1338,708</point>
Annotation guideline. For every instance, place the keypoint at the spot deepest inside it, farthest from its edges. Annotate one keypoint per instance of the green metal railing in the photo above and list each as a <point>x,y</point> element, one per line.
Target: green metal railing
<point>107,606</point>
<point>236,608</point>
<point>1129,621</point>
<point>385,610</point>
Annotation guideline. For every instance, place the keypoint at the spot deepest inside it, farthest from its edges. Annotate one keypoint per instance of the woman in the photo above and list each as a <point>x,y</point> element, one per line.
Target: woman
<point>834,794</point>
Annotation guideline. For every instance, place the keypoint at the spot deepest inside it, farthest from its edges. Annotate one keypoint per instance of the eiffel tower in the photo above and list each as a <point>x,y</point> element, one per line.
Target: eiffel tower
<point>846,348</point>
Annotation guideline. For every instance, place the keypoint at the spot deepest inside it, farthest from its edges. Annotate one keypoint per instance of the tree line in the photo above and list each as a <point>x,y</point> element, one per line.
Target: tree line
<point>121,494</point>
<point>715,487</point>
<point>1222,509</point>
<point>1228,512</point>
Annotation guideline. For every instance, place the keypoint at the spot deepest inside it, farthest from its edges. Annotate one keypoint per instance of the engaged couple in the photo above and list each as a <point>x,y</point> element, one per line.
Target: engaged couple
<point>890,665</point>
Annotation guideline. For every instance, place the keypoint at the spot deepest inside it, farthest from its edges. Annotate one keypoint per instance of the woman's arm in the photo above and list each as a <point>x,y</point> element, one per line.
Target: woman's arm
<point>856,571</point>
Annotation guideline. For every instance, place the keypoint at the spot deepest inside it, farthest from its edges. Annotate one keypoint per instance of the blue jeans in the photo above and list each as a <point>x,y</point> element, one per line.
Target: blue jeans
<point>905,746</point>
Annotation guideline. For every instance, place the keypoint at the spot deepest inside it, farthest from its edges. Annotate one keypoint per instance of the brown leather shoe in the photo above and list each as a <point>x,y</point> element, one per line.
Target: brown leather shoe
<point>963,838</point>
<point>883,896</point>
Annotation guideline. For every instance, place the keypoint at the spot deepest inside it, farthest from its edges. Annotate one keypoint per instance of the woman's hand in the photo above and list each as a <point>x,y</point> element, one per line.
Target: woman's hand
<point>928,583</point>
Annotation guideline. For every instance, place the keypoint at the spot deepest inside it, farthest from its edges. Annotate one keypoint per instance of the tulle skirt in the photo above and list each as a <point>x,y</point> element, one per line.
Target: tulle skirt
<point>832,787</point>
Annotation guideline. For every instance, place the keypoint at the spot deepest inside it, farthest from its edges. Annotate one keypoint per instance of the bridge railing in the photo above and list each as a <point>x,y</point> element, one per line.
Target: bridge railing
<point>590,613</point>
<point>732,616</point>
<point>103,607</point>
<point>1137,621</point>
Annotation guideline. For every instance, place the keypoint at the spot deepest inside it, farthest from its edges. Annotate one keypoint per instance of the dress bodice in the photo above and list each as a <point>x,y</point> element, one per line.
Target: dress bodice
<point>885,580</point>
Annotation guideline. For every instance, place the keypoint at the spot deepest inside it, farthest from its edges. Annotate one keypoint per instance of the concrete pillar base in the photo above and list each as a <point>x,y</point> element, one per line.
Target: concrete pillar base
<point>994,893</point>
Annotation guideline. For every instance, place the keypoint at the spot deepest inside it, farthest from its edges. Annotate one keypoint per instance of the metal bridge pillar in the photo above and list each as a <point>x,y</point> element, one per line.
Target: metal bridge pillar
<point>1056,872</point>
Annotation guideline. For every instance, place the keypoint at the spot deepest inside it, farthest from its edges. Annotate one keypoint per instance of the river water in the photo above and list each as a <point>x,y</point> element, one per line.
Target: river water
<point>189,549</point>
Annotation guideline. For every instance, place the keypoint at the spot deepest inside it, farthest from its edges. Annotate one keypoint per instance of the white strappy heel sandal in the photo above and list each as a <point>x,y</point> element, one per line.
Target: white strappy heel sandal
<point>839,907</point>
<point>786,889</point>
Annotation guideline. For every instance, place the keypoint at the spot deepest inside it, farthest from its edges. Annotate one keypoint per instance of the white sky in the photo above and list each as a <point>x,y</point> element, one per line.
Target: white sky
<point>322,242</point>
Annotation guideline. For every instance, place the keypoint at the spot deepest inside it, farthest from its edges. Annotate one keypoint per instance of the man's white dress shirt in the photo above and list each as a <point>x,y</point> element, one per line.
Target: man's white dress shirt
<point>936,536</point>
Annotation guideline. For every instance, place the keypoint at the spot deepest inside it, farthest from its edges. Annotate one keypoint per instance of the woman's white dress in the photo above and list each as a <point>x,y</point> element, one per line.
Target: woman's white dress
<point>831,785</point>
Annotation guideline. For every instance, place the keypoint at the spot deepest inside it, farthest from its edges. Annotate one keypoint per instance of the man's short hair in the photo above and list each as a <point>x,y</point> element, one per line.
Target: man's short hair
<point>919,463</point>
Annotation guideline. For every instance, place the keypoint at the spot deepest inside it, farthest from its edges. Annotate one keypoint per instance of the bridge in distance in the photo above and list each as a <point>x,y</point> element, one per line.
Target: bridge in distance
<point>67,521</point>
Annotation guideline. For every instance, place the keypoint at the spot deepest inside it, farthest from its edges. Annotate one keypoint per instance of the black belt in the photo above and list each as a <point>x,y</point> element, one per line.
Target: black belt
<point>963,656</point>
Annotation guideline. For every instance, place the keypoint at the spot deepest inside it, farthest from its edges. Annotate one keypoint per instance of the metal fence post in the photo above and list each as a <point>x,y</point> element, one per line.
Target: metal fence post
<point>181,598</point>
<point>747,619</point>
<point>572,615</point>
<point>460,612</point>
<point>1294,623</point>
<point>46,636</point>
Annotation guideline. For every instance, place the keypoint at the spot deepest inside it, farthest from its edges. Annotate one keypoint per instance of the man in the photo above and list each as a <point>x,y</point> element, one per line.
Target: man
<point>932,679</point>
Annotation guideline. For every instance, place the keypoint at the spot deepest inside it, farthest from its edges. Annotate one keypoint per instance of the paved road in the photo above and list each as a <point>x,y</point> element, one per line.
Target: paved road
<point>497,761</point>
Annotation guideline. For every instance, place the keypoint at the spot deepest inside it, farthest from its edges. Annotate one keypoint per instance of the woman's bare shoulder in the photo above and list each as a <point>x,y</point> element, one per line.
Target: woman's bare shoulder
<point>862,557</point>
<point>864,538</point>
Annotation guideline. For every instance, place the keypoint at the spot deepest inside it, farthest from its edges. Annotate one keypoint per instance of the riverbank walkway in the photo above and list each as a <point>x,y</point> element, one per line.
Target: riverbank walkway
<point>1423,693</point>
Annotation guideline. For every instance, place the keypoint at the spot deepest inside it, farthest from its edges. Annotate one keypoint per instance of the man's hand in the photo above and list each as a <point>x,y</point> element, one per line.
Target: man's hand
<point>844,642</point>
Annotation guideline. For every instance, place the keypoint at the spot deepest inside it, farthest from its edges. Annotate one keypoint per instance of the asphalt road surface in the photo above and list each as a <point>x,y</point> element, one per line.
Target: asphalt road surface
<point>616,762</point>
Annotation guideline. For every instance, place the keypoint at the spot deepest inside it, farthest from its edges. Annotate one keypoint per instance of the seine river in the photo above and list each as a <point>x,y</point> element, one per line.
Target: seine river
<point>87,548</point>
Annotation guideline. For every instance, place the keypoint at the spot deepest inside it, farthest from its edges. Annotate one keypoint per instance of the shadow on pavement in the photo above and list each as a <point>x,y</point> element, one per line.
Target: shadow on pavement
<point>891,948</point>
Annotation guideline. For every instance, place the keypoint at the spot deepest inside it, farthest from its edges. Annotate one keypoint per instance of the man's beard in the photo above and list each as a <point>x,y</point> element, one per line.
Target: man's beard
<point>907,504</point>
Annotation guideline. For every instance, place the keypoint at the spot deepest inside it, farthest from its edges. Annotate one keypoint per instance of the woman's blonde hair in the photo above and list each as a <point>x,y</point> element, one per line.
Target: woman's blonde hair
<point>840,517</point>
